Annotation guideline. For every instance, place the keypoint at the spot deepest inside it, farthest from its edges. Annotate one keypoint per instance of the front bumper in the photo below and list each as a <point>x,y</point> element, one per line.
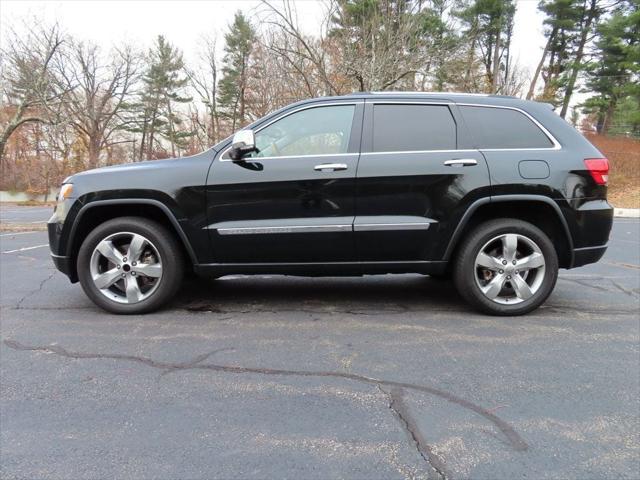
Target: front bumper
<point>62,263</point>
<point>58,254</point>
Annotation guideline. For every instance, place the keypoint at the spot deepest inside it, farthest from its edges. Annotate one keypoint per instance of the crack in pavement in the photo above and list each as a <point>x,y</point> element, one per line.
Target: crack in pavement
<point>623,265</point>
<point>515,440</point>
<point>585,284</point>
<point>631,293</point>
<point>399,407</point>
<point>33,292</point>
<point>588,309</point>
<point>195,361</point>
<point>211,308</point>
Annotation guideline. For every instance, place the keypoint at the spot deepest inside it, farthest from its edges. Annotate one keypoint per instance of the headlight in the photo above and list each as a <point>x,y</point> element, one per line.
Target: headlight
<point>65,192</point>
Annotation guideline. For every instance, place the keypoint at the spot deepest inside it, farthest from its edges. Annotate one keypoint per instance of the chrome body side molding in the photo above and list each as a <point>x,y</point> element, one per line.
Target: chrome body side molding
<point>321,225</point>
<point>284,229</point>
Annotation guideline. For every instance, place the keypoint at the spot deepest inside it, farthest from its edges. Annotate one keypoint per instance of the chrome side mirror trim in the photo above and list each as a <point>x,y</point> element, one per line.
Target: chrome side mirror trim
<point>244,142</point>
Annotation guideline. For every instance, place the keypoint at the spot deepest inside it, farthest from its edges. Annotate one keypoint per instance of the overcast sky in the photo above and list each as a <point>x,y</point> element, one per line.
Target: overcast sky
<point>184,22</point>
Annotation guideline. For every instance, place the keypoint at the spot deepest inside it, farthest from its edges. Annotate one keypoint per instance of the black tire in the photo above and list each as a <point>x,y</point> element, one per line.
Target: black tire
<point>464,270</point>
<point>164,242</point>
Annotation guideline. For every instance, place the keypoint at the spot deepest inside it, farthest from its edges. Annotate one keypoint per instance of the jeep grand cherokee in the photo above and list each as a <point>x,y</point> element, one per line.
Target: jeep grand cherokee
<point>496,192</point>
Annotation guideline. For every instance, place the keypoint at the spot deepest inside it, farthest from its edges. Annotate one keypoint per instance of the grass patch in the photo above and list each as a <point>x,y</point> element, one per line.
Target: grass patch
<point>23,227</point>
<point>35,203</point>
<point>624,162</point>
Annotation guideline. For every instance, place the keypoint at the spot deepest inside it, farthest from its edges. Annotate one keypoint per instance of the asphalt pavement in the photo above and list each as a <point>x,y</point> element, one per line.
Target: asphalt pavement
<point>14,214</point>
<point>387,376</point>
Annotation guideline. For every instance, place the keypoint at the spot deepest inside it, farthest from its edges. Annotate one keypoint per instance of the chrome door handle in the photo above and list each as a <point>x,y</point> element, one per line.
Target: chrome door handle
<point>461,162</point>
<point>330,166</point>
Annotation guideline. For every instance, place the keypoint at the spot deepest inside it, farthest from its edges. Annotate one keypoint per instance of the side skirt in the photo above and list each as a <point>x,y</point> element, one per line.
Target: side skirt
<point>326,269</point>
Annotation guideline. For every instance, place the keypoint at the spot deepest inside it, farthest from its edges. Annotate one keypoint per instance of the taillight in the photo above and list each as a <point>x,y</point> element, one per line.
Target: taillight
<point>599,169</point>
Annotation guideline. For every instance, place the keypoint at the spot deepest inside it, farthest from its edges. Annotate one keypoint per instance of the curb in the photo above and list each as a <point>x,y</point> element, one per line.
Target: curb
<point>626,212</point>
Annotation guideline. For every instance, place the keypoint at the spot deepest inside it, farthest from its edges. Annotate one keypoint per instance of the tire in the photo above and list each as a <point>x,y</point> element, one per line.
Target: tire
<point>473,273</point>
<point>130,285</point>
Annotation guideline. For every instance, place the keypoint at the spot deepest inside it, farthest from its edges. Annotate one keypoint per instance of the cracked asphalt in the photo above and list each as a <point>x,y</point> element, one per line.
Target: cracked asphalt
<point>283,377</point>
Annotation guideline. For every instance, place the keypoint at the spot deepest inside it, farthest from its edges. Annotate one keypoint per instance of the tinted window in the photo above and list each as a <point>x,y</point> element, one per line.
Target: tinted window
<point>401,128</point>
<point>314,131</point>
<point>503,128</point>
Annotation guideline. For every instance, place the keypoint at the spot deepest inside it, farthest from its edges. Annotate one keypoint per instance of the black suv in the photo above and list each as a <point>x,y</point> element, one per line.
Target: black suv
<point>494,191</point>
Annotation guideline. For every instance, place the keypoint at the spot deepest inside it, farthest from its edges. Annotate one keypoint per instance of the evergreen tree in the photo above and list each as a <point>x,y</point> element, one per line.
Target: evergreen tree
<point>489,25</point>
<point>441,43</point>
<point>156,113</point>
<point>232,92</point>
<point>615,73</point>
<point>561,18</point>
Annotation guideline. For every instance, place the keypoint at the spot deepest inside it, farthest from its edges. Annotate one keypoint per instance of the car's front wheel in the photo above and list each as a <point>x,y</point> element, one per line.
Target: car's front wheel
<point>506,267</point>
<point>130,265</point>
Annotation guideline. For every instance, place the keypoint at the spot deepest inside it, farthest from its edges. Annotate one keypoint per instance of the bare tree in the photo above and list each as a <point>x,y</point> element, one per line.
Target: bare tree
<point>204,81</point>
<point>99,88</point>
<point>299,50</point>
<point>383,48</point>
<point>28,86</point>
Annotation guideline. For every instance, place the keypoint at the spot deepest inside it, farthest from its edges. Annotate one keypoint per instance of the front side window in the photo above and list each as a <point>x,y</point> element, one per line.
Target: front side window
<point>503,128</point>
<point>314,131</point>
<point>403,128</point>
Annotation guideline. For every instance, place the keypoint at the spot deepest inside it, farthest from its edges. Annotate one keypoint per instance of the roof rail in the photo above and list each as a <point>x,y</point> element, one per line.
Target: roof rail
<point>392,92</point>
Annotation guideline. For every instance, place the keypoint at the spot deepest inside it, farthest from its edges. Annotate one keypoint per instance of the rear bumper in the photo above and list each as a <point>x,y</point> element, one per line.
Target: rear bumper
<point>586,255</point>
<point>590,226</point>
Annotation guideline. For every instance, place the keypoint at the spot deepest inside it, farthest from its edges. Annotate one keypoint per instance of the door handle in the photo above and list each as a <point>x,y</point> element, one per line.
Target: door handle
<point>461,162</point>
<point>330,166</point>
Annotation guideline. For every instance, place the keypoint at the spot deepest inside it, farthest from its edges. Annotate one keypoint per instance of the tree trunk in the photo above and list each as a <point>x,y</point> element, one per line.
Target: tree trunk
<point>606,124</point>
<point>470,61</point>
<point>496,59</point>
<point>13,125</point>
<point>94,152</point>
<point>534,80</point>
<point>584,35</point>
<point>171,132</point>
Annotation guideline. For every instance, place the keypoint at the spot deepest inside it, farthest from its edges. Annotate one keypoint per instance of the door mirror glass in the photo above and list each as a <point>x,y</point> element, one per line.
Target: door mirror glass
<point>244,143</point>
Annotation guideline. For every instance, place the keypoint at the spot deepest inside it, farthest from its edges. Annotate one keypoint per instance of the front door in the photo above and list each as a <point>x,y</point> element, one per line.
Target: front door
<point>293,200</point>
<point>414,181</point>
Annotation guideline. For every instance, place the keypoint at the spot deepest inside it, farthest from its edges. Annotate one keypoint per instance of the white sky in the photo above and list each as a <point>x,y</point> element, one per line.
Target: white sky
<point>184,22</point>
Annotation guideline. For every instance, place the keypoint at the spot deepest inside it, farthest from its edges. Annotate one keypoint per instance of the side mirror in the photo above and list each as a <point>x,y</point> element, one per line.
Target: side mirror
<point>244,142</point>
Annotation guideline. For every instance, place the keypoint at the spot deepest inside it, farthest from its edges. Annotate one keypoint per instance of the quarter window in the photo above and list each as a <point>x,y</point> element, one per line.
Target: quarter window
<point>402,128</point>
<point>503,128</point>
<point>314,131</point>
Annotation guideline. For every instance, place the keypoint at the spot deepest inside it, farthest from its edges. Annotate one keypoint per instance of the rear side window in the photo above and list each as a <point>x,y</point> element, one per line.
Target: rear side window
<point>403,128</point>
<point>503,128</point>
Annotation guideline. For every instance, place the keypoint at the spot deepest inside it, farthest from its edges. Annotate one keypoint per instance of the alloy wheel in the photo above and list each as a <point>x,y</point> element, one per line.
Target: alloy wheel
<point>509,269</point>
<point>126,267</point>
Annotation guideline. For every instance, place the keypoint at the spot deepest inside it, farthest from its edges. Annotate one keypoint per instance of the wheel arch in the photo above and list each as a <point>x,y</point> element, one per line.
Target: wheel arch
<point>103,210</point>
<point>539,210</point>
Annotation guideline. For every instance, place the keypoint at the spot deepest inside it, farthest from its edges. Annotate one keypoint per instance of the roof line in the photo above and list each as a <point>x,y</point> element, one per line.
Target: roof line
<point>457,94</point>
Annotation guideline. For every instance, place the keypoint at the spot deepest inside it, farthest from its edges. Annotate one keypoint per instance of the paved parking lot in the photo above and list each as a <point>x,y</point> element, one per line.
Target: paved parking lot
<point>282,377</point>
<point>13,214</point>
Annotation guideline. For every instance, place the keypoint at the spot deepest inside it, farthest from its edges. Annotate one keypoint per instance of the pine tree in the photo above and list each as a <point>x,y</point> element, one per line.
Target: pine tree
<point>615,73</point>
<point>561,18</point>
<point>232,96</point>
<point>489,23</point>
<point>156,113</point>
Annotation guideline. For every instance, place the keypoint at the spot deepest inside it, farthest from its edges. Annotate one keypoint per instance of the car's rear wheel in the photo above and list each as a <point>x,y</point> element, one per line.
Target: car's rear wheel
<point>506,267</point>
<point>130,265</point>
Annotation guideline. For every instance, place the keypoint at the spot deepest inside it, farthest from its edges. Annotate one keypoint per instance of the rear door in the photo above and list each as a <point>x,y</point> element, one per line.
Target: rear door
<point>415,180</point>
<point>294,200</point>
